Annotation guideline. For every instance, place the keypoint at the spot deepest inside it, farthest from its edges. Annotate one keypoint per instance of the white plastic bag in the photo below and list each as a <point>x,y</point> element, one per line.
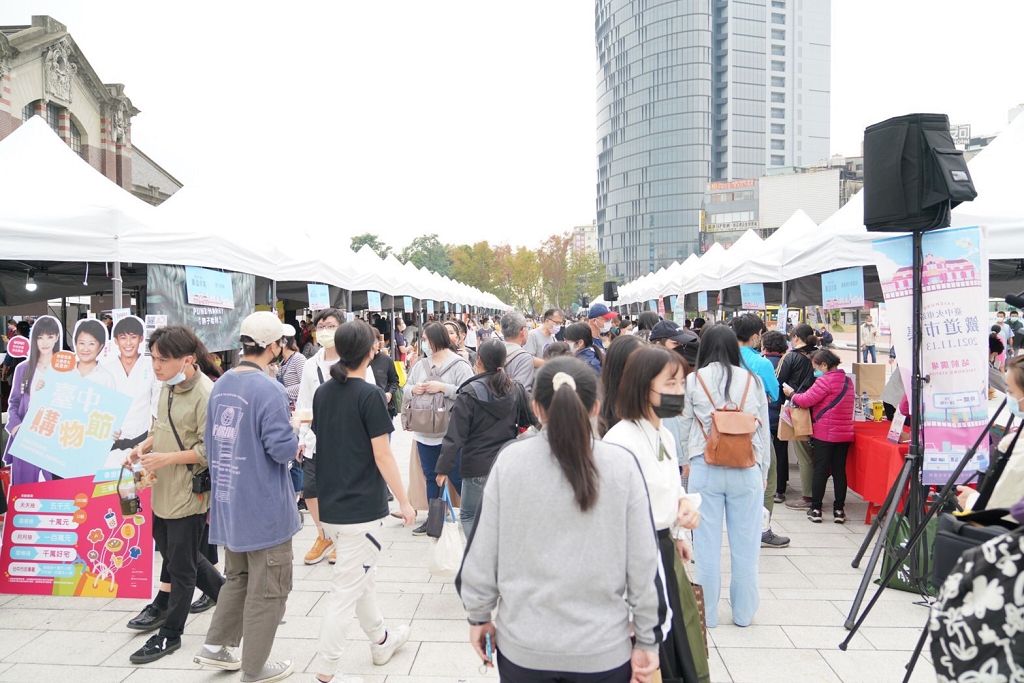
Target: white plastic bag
<point>448,551</point>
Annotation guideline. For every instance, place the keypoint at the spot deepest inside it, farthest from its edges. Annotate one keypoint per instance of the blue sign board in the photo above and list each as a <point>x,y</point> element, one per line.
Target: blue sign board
<point>407,304</point>
<point>843,288</point>
<point>677,303</point>
<point>373,301</point>
<point>319,297</point>
<point>752,296</point>
<point>205,287</point>
<point>430,307</point>
<point>702,302</point>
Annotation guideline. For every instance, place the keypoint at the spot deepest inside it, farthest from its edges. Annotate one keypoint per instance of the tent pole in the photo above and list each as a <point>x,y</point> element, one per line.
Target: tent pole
<point>857,354</point>
<point>118,284</point>
<point>273,295</point>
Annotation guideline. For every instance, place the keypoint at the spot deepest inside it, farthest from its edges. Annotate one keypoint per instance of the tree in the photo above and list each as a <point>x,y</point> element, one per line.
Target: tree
<point>554,258</point>
<point>473,265</point>
<point>426,251</point>
<point>371,240</point>
<point>587,274</point>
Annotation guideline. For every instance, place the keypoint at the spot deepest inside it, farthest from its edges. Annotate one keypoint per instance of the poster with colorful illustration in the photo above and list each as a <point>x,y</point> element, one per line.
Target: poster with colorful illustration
<point>69,537</point>
<point>70,425</point>
<point>843,288</point>
<point>752,296</point>
<point>954,347</point>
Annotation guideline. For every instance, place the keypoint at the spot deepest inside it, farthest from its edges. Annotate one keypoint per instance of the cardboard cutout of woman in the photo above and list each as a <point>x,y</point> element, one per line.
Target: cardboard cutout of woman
<point>90,338</point>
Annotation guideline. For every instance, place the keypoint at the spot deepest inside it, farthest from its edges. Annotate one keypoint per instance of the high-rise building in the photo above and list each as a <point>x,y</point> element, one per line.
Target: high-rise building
<point>692,91</point>
<point>584,240</point>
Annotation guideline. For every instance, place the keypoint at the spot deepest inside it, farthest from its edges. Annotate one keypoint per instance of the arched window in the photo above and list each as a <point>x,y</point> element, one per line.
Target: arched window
<point>76,140</point>
<point>53,116</point>
<point>29,110</point>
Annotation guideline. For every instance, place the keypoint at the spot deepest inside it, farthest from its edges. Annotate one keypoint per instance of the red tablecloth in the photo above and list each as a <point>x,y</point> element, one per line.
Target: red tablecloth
<point>873,462</point>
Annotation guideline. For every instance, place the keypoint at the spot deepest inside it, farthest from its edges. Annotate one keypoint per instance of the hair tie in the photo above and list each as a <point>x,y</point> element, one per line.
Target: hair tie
<point>563,379</point>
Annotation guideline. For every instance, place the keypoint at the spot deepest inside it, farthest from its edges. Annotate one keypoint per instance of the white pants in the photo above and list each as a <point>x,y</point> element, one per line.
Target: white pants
<point>354,587</point>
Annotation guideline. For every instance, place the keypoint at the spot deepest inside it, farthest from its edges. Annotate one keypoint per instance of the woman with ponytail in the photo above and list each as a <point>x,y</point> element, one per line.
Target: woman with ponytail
<point>490,410</point>
<point>564,531</point>
<point>354,469</point>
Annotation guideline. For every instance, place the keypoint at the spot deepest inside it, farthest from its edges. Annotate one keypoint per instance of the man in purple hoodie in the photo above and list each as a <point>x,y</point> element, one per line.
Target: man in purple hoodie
<point>252,513</point>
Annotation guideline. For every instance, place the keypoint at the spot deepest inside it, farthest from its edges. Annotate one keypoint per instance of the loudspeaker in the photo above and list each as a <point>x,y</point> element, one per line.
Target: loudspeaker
<point>913,174</point>
<point>611,291</point>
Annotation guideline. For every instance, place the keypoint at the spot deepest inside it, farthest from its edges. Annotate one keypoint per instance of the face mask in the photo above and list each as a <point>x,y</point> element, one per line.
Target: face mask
<point>1015,408</point>
<point>555,329</point>
<point>325,338</point>
<point>671,405</point>
<point>426,347</point>
<point>606,328</point>
<point>818,373</point>
<point>179,378</point>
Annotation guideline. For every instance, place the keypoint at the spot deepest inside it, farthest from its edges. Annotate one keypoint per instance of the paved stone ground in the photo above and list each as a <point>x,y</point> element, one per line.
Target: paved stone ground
<point>805,593</point>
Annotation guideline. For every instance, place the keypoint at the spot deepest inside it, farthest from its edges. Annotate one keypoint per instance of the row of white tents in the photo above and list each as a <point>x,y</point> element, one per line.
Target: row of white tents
<point>56,208</point>
<point>800,248</point>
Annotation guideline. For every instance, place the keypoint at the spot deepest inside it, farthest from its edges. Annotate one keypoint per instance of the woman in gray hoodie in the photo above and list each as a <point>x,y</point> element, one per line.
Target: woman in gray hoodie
<point>564,532</point>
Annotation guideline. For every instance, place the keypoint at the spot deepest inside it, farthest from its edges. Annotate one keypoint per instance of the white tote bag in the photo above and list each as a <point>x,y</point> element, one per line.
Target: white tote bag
<point>449,548</point>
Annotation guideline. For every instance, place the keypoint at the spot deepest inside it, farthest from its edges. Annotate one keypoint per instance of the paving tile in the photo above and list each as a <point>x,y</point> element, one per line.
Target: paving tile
<point>355,660</point>
<point>13,640</point>
<point>81,620</point>
<point>876,667</point>
<point>892,613</point>
<point>823,638</point>
<point>403,574</point>
<point>149,675</point>
<point>57,602</point>
<point>452,660</point>
<point>816,540</point>
<point>126,604</point>
<point>19,673</point>
<point>400,587</point>
<point>798,613</point>
<point>405,558</point>
<point>440,607</point>
<point>441,630</point>
<point>72,648</point>
<point>392,605</point>
<point>893,638</point>
<point>730,635</point>
<point>822,564</point>
<point>18,619</point>
<point>301,602</point>
<point>491,677</point>
<point>4,599</point>
<point>777,666</point>
<point>719,674</point>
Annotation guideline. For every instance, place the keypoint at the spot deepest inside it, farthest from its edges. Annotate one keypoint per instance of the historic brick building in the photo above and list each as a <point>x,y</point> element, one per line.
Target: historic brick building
<point>44,72</point>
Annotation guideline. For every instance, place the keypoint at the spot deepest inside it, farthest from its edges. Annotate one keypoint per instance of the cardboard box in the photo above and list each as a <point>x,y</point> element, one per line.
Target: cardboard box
<point>869,377</point>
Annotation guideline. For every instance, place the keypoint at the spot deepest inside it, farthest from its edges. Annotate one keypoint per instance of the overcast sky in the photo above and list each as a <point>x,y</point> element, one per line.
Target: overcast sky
<point>470,118</point>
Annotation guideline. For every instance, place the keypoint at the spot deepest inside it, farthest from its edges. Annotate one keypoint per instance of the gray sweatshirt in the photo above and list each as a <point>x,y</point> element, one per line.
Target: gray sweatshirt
<point>560,573</point>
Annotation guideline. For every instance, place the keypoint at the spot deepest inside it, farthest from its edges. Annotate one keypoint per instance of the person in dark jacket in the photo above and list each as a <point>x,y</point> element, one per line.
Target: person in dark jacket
<point>580,338</point>
<point>384,374</point>
<point>490,410</point>
<point>796,371</point>
<point>774,347</point>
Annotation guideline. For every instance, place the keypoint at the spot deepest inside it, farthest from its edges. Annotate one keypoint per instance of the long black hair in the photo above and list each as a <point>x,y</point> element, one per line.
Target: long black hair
<point>580,332</point>
<point>47,325</point>
<point>437,336</point>
<point>568,427</point>
<point>353,340</point>
<point>633,400</point>
<point>492,354</point>
<point>619,352</point>
<point>720,345</point>
<point>807,335</point>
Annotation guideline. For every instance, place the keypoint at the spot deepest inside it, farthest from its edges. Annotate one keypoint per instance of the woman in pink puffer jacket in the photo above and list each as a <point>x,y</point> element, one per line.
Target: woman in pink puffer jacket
<point>830,400</point>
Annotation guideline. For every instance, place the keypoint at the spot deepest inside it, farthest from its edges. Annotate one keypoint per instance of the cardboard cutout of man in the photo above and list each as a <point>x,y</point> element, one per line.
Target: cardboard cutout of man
<point>133,376</point>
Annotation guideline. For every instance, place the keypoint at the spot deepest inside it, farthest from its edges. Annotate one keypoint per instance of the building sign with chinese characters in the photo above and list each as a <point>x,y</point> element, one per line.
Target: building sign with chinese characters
<point>207,287</point>
<point>70,425</point>
<point>319,297</point>
<point>954,352</point>
<point>752,296</point>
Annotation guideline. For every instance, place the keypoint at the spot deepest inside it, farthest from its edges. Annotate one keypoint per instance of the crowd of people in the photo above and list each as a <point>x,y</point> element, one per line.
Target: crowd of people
<point>643,440</point>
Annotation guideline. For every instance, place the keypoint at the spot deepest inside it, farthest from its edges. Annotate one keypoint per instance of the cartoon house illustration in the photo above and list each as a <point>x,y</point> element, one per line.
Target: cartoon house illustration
<point>937,274</point>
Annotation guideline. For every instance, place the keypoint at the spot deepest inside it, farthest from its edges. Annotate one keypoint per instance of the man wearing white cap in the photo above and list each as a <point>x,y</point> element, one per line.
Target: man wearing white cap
<point>250,443</point>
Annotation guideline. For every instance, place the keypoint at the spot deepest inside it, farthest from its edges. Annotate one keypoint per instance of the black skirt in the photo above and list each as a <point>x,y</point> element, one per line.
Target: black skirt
<point>682,655</point>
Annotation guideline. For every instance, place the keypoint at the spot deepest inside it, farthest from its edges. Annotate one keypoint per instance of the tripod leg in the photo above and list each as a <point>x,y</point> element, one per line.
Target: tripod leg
<point>917,653</point>
<point>890,513</point>
<point>875,523</point>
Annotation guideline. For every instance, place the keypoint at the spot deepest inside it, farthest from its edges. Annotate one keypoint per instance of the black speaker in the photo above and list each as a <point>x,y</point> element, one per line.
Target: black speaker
<point>611,291</point>
<point>913,174</point>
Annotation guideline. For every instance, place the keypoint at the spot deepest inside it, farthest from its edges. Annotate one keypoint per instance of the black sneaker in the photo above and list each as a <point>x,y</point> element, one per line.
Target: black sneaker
<point>421,530</point>
<point>770,539</point>
<point>202,604</point>
<point>779,498</point>
<point>302,505</point>
<point>155,648</point>
<point>839,516</point>
<point>814,516</point>
<point>150,618</point>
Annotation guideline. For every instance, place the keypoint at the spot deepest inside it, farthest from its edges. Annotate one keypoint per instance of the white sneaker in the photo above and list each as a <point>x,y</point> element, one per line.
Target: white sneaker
<point>223,658</point>
<point>397,637</point>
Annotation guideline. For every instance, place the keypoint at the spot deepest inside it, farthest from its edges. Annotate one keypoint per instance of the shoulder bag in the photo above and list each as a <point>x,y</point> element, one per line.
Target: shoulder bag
<point>731,441</point>
<point>429,414</point>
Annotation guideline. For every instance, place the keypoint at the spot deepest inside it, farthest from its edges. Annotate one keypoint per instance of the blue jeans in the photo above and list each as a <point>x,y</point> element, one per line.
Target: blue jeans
<point>472,497</point>
<point>428,461</point>
<point>295,471</point>
<point>735,497</point>
<point>870,350</point>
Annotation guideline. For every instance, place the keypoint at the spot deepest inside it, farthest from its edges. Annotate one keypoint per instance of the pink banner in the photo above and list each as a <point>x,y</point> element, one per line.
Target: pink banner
<point>68,537</point>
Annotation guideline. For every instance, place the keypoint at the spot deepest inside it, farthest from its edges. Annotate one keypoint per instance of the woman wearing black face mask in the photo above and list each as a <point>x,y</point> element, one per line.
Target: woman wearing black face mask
<point>651,392</point>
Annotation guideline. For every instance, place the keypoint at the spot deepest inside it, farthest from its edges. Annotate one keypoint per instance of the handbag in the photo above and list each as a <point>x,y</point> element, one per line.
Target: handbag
<point>447,556</point>
<point>801,417</point>
<point>731,441</point>
<point>201,482</point>
<point>896,540</point>
<point>958,534</point>
<point>400,370</point>
<point>437,511</point>
<point>397,398</point>
<point>429,414</point>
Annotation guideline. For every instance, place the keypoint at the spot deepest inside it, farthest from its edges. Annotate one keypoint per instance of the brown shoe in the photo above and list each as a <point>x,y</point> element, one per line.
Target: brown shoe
<point>333,557</point>
<point>799,504</point>
<point>321,547</point>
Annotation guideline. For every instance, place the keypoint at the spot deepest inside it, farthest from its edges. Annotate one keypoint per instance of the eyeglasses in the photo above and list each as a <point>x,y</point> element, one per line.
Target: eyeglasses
<point>326,328</point>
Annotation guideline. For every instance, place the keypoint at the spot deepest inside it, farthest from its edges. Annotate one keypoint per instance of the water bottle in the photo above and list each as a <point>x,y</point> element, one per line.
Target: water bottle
<point>865,405</point>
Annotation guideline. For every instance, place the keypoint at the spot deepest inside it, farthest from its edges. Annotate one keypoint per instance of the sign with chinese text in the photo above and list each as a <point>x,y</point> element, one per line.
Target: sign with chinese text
<point>218,328</point>
<point>373,301</point>
<point>68,537</point>
<point>319,297</point>
<point>702,302</point>
<point>207,287</point>
<point>70,425</point>
<point>954,350</point>
<point>843,288</point>
<point>407,304</point>
<point>752,296</point>
<point>652,305</point>
<point>430,307</point>
<point>676,302</point>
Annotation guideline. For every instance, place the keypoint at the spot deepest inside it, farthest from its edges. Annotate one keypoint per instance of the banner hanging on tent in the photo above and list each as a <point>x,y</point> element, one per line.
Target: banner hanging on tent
<point>702,302</point>
<point>218,328</point>
<point>373,301</point>
<point>676,302</point>
<point>953,349</point>
<point>652,305</point>
<point>319,297</point>
<point>430,307</point>
<point>207,287</point>
<point>407,304</point>
<point>843,288</point>
<point>752,296</point>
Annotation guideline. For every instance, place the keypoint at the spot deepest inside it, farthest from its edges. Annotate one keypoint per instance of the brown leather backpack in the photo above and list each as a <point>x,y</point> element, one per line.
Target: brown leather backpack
<point>731,441</point>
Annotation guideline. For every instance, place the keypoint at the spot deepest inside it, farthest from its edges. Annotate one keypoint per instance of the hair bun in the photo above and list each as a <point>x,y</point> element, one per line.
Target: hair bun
<point>563,379</point>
